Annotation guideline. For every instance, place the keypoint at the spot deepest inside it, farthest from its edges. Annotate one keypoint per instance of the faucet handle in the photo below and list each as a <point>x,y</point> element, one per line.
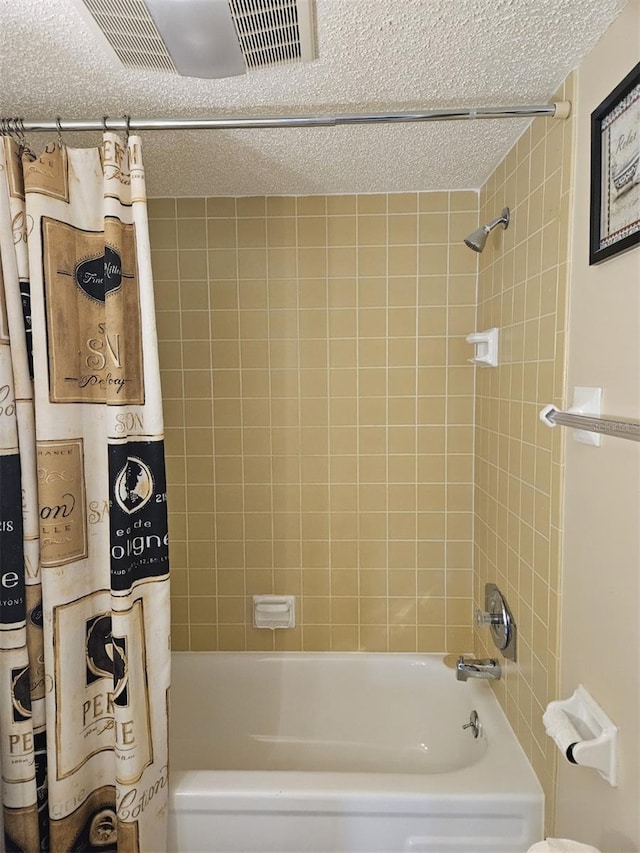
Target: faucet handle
<point>483,618</point>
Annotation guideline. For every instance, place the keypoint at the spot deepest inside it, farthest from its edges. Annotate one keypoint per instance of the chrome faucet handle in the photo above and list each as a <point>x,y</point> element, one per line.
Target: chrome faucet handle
<point>483,618</point>
<point>498,618</point>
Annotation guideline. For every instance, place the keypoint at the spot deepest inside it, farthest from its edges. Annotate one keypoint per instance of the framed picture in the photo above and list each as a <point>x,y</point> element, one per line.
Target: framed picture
<point>615,171</point>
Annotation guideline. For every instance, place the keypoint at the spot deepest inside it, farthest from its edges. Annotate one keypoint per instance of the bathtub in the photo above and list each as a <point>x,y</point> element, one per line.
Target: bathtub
<point>298,752</point>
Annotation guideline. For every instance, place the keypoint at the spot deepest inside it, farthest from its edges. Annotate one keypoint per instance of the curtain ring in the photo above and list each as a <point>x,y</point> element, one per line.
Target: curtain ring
<point>127,119</point>
<point>12,127</point>
<point>59,129</point>
<point>8,127</point>
<point>22,139</point>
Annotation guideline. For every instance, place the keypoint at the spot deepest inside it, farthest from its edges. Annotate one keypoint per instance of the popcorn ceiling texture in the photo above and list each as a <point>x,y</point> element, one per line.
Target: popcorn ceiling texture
<point>375,55</point>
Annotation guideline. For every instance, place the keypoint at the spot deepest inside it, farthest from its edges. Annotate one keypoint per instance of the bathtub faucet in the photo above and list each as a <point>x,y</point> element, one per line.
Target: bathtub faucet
<point>472,668</point>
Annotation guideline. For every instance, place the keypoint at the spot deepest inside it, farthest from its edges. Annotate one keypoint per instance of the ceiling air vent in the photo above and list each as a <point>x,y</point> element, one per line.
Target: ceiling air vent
<point>204,38</point>
<point>131,33</point>
<point>274,32</point>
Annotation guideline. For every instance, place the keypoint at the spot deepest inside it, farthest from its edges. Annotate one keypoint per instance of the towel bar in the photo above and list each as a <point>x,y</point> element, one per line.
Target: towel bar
<point>618,427</point>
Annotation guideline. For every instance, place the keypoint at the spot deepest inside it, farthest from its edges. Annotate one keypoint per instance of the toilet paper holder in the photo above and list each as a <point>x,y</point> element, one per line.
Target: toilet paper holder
<point>584,733</point>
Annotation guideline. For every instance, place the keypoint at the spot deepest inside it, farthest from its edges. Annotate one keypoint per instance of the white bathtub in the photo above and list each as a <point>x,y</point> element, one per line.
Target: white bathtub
<point>275,753</point>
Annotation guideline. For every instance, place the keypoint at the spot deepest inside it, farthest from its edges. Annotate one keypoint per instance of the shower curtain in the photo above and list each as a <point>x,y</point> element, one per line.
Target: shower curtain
<point>84,569</point>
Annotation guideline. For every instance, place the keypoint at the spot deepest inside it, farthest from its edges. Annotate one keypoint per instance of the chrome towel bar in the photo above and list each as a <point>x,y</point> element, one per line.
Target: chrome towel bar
<point>618,427</point>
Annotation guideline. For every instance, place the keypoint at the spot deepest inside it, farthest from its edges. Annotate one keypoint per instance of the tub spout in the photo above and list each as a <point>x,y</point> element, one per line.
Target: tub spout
<point>472,668</point>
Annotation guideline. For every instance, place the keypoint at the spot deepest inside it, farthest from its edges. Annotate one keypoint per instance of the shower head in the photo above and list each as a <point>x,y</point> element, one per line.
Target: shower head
<point>478,238</point>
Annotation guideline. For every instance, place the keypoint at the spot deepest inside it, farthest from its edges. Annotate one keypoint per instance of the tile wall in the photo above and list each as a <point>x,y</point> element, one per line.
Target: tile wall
<point>523,289</point>
<point>319,416</point>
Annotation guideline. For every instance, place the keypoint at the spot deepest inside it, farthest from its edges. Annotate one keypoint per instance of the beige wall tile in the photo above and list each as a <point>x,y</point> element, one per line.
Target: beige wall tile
<point>190,207</point>
<point>519,290</point>
<point>313,446</point>
<point>433,202</point>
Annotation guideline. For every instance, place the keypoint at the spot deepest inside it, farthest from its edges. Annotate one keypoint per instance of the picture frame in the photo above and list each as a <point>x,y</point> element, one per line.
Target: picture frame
<point>615,171</point>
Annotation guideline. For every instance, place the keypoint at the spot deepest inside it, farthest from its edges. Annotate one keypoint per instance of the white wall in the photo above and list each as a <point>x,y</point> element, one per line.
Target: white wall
<point>600,638</point>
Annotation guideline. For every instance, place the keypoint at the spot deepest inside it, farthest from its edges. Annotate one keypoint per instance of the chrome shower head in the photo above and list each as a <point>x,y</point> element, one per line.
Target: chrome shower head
<point>478,238</point>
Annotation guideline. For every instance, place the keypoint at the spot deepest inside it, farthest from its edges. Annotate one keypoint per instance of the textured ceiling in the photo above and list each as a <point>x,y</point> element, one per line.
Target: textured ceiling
<point>374,55</point>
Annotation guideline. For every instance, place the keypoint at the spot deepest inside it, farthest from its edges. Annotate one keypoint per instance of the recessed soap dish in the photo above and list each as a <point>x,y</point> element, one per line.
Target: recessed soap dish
<point>486,344</point>
<point>274,611</point>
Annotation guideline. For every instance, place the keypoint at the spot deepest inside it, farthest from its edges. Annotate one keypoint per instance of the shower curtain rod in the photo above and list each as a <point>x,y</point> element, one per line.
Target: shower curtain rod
<point>17,126</point>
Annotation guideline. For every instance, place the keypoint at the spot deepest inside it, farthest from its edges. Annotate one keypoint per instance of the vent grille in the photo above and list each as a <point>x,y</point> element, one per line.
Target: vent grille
<point>268,31</point>
<point>132,33</point>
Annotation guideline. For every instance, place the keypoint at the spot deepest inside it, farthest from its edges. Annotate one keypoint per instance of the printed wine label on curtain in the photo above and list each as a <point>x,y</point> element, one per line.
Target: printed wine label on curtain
<point>18,758</point>
<point>13,160</point>
<point>40,682</point>
<point>95,671</point>
<point>12,586</point>
<point>115,168</point>
<point>48,174</point>
<point>92,360</point>
<point>61,497</point>
<point>25,297</point>
<point>133,743</point>
<point>138,513</point>
<point>21,829</point>
<point>94,828</point>
<point>42,790</point>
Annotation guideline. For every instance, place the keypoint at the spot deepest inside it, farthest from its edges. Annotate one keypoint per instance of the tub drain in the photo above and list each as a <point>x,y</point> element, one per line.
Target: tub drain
<point>474,724</point>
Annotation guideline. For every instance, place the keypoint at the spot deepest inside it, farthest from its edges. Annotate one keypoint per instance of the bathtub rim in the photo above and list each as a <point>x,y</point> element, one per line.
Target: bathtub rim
<point>517,779</point>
